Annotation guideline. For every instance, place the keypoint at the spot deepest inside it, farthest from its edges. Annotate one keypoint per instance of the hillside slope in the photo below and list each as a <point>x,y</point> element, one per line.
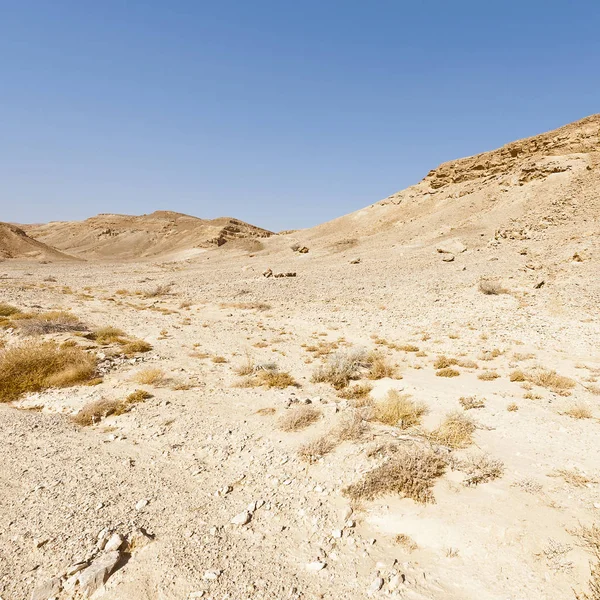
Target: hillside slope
<point>15,243</point>
<point>126,237</point>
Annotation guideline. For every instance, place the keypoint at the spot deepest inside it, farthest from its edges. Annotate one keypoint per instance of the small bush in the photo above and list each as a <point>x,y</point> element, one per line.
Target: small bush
<point>356,392</point>
<point>456,431</point>
<point>479,468</point>
<point>573,477</point>
<point>138,396</point>
<point>33,367</point>
<point>448,372</point>
<point>470,402</point>
<point>162,289</point>
<point>491,287</point>
<point>488,376</point>
<point>398,410</point>
<point>517,375</point>
<point>270,379</point>
<point>380,367</point>
<point>314,450</point>
<point>149,376</point>
<point>406,542</point>
<point>579,411</point>
<point>350,427</point>
<point>550,379</point>
<point>94,412</point>
<point>299,418</point>
<point>443,362</point>
<point>590,539</point>
<point>341,368</point>
<point>107,335</point>
<point>411,473</point>
<point>408,348</point>
<point>219,360</point>
<point>512,407</point>
<point>7,310</point>
<point>56,321</point>
<point>136,347</point>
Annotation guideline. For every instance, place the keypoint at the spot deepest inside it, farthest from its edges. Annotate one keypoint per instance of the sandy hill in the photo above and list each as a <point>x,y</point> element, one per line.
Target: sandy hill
<point>15,243</point>
<point>535,188</point>
<point>126,237</point>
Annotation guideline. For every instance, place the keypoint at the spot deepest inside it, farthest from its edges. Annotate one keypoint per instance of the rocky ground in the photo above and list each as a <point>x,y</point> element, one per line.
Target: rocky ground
<point>198,492</point>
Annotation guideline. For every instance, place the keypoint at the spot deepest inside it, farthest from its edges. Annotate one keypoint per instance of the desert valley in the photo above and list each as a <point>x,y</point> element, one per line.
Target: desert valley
<point>403,402</point>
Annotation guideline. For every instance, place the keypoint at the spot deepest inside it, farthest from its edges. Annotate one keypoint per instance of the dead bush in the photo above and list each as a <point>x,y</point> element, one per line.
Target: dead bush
<point>517,375</point>
<point>573,477</point>
<point>455,431</point>
<point>341,368</point>
<point>138,396</point>
<point>7,310</point>
<point>162,289</point>
<point>399,410</point>
<point>579,411</point>
<point>491,287</point>
<point>590,539</point>
<point>150,376</point>
<point>488,376</point>
<point>349,428</point>
<point>107,335</point>
<point>549,379</point>
<point>406,542</point>
<point>270,379</point>
<point>313,451</point>
<point>56,321</point>
<point>448,372</point>
<point>471,402</point>
<point>299,418</point>
<point>96,411</point>
<point>443,362</point>
<point>411,473</point>
<point>478,467</point>
<point>136,347</point>
<point>34,366</point>
<point>259,306</point>
<point>356,392</point>
<point>380,367</point>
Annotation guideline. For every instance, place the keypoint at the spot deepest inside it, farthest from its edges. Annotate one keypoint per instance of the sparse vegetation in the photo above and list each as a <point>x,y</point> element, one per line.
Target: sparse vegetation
<point>96,411</point>
<point>107,335</point>
<point>406,542</point>
<point>447,372</point>
<point>411,473</point>
<point>549,379</point>
<point>219,360</point>
<point>573,477</point>
<point>138,396</point>
<point>471,402</point>
<point>357,392</point>
<point>589,537</point>
<point>136,347</point>
<point>299,418</point>
<point>488,376</point>
<point>380,367</point>
<point>491,287</point>
<point>479,468</point>
<point>150,376</point>
<point>399,410</point>
<point>7,310</point>
<point>35,366</point>
<point>56,321</point>
<point>512,407</point>
<point>456,431</point>
<point>517,375</point>
<point>443,362</point>
<point>316,449</point>
<point>341,368</point>
<point>162,289</point>
<point>579,411</point>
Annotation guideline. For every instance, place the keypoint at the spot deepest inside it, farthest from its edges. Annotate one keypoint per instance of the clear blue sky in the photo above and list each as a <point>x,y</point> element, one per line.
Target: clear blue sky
<point>282,113</point>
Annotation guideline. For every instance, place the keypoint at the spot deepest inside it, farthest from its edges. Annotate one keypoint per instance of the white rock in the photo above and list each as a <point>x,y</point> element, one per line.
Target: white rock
<point>242,518</point>
<point>76,567</point>
<point>141,504</point>
<point>212,575</point>
<point>114,543</point>
<point>316,566</point>
<point>98,572</point>
<point>47,589</point>
<point>350,523</point>
<point>336,533</point>
<point>375,586</point>
<point>451,247</point>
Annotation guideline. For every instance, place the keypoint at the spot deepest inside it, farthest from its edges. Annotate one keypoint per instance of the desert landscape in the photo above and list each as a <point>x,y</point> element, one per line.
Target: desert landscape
<point>403,402</point>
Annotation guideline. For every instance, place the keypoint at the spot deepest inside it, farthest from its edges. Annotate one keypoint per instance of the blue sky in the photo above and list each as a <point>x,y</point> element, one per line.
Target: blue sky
<point>285,114</point>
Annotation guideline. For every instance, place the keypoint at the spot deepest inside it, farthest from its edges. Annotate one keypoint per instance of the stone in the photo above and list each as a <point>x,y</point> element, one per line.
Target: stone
<point>356,261</point>
<point>212,574</point>
<point>451,247</point>
<point>316,566</point>
<point>114,543</point>
<point>376,585</point>
<point>139,538</point>
<point>47,589</point>
<point>97,574</point>
<point>336,533</point>
<point>268,273</point>
<point>141,504</point>
<point>448,257</point>
<point>539,284</point>
<point>76,567</point>
<point>242,518</point>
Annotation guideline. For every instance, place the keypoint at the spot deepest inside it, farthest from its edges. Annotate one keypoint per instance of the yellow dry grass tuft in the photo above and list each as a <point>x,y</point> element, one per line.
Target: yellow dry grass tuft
<point>512,407</point>
<point>138,396</point>
<point>357,392</point>
<point>447,372</point>
<point>488,376</point>
<point>107,335</point>
<point>517,375</point>
<point>479,467</point>
<point>313,451</point>
<point>443,362</point>
<point>550,379</point>
<point>299,418</point>
<point>579,411</point>
<point>411,473</point>
<point>94,412</point>
<point>136,347</point>
<point>7,310</point>
<point>56,321</point>
<point>35,366</point>
<point>150,376</point>
<point>455,431</point>
<point>573,477</point>
<point>399,410</point>
<point>270,379</point>
<point>380,367</point>
<point>491,287</point>
<point>471,402</point>
<point>406,542</point>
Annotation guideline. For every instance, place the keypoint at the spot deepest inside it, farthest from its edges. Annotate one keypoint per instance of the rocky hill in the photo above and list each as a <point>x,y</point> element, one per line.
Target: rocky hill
<point>108,236</point>
<point>15,243</point>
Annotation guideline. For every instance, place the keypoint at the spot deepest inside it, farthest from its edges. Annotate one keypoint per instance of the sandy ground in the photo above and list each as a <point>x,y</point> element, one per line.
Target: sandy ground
<point>182,464</point>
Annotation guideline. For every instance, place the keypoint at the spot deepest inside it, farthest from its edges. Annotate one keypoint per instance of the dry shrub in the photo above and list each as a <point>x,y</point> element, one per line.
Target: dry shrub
<point>579,411</point>
<point>531,396</point>
<point>350,427</point>
<point>246,368</point>
<point>136,347</point>
<point>94,412</point>
<point>341,368</point>
<point>406,542</point>
<point>380,367</point>
<point>56,321</point>
<point>408,348</point>
<point>219,360</point>
<point>455,431</point>
<point>357,392</point>
<point>491,287</point>
<point>443,362</point>
<point>7,310</point>
<point>479,467</point>
<point>593,389</point>
<point>314,450</point>
<point>107,335</point>
<point>550,379</point>
<point>590,539</point>
<point>447,372</point>
<point>263,412</point>
<point>468,364</point>
<point>573,477</point>
<point>517,375</point>
<point>150,376</point>
<point>138,396</point>
<point>399,410</point>
<point>34,366</point>
<point>512,407</point>
<point>470,402</point>
<point>162,289</point>
<point>411,473</point>
<point>490,354</point>
<point>270,379</point>
<point>299,418</point>
<point>488,376</point>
